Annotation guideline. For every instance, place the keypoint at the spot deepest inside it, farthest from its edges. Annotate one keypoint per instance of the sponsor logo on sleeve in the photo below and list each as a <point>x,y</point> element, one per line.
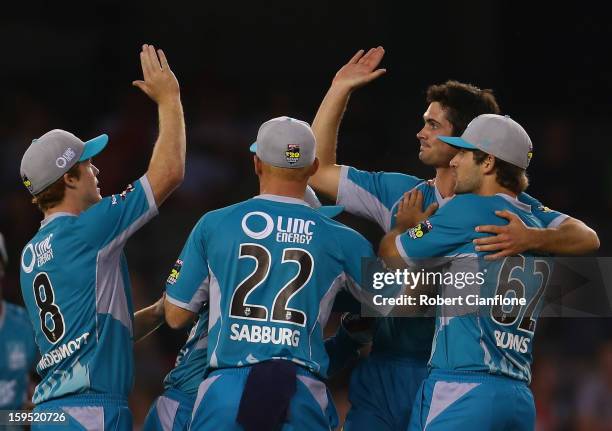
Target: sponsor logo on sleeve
<point>175,272</point>
<point>419,230</point>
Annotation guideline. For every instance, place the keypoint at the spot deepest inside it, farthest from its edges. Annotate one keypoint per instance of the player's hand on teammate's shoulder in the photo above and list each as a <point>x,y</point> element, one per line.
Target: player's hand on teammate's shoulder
<point>508,240</point>
<point>360,69</point>
<point>410,210</point>
<point>159,83</point>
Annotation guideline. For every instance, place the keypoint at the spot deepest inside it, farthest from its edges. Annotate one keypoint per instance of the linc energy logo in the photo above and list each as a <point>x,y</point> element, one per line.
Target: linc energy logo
<point>288,229</point>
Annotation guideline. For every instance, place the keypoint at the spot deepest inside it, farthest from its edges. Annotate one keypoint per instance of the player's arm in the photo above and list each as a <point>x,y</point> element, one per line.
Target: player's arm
<point>387,249</point>
<point>360,70</point>
<point>167,166</point>
<point>429,244</point>
<point>188,282</point>
<point>178,317</point>
<point>148,319</point>
<point>571,237</point>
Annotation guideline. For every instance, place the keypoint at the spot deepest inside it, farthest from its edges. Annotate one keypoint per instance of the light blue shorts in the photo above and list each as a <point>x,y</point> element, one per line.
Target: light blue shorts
<point>466,401</point>
<point>216,406</point>
<point>171,411</point>
<point>382,392</point>
<point>89,412</point>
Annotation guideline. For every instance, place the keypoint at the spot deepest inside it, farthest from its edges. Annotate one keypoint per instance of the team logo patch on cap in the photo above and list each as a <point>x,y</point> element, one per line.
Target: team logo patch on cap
<point>420,230</point>
<point>27,183</point>
<point>63,160</point>
<point>293,153</point>
<point>176,272</point>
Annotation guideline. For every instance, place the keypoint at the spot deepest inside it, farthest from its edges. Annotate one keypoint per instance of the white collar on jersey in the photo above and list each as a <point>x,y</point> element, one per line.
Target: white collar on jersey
<point>439,198</point>
<point>514,201</point>
<point>284,199</point>
<point>54,216</point>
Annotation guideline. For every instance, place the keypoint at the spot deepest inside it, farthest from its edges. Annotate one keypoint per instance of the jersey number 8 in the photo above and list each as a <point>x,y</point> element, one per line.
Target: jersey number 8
<point>44,295</point>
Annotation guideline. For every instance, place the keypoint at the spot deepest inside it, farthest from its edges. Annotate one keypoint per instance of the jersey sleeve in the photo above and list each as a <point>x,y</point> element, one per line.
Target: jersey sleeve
<point>549,218</point>
<point>447,234</point>
<point>187,285</point>
<point>372,194</point>
<point>110,222</point>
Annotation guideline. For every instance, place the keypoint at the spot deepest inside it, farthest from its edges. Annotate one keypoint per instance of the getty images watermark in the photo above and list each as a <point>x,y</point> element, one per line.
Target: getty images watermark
<point>505,288</point>
<point>412,280</point>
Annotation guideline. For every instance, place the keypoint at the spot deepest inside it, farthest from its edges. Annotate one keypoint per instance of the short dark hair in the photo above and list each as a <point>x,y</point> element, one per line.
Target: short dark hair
<point>462,102</point>
<point>53,195</point>
<point>507,175</point>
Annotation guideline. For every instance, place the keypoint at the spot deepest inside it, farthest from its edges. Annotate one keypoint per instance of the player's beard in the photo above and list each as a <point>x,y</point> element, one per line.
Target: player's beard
<point>467,183</point>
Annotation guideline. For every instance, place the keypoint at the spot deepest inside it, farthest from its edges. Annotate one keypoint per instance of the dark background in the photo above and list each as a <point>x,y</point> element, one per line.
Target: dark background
<point>240,63</point>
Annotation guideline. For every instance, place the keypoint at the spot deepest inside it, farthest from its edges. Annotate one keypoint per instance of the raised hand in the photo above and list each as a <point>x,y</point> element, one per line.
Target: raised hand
<point>360,69</point>
<point>410,210</point>
<point>159,82</point>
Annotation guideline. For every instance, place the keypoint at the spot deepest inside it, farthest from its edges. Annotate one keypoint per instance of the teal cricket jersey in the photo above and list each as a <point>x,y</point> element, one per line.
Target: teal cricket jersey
<point>191,364</point>
<point>470,336</point>
<point>374,196</point>
<point>269,267</point>
<point>76,287</point>
<point>17,355</point>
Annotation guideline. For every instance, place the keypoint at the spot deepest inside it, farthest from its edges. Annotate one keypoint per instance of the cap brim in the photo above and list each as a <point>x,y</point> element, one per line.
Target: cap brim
<point>457,142</point>
<point>93,147</point>
<point>330,211</point>
<point>253,147</point>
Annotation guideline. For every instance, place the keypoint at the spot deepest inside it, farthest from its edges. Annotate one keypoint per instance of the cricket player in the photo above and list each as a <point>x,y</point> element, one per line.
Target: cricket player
<point>384,385</point>
<point>269,268</point>
<point>172,410</point>
<point>482,353</point>
<point>18,350</point>
<point>74,276</point>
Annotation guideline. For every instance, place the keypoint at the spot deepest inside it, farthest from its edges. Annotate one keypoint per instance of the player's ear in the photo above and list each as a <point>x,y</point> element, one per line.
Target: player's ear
<point>70,181</point>
<point>314,167</point>
<point>489,164</point>
<point>257,165</point>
